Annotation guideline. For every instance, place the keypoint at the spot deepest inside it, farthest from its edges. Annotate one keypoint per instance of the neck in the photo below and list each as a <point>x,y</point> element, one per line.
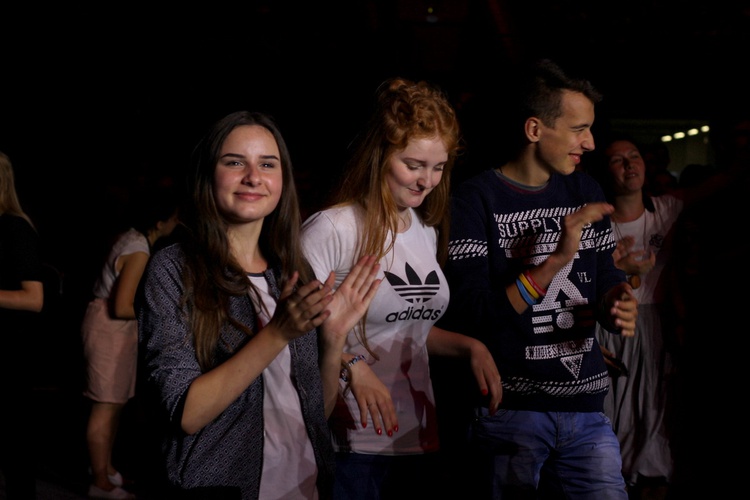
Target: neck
<point>404,220</point>
<point>520,172</point>
<point>152,236</point>
<point>628,207</point>
<point>243,241</point>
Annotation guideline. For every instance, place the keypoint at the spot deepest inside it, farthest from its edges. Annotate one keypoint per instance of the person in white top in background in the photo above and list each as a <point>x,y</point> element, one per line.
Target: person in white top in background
<point>110,334</point>
<point>643,225</point>
<point>393,202</point>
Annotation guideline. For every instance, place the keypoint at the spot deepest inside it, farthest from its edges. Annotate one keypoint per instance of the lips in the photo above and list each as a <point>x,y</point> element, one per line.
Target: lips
<point>250,196</point>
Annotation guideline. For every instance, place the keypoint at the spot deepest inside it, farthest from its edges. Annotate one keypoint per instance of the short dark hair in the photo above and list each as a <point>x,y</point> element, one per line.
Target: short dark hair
<point>537,92</point>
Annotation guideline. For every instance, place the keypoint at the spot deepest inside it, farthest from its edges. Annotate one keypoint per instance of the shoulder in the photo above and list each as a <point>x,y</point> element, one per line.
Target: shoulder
<point>134,239</point>
<point>17,233</point>
<point>128,243</point>
<point>173,254</point>
<point>581,179</point>
<point>334,218</point>
<point>667,202</point>
<point>480,179</point>
<point>164,272</point>
<point>11,222</point>
<point>478,185</point>
<point>581,183</point>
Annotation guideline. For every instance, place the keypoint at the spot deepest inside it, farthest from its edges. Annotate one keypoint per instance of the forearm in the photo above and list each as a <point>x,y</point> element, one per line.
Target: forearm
<point>29,298</point>
<point>330,372</point>
<point>442,342</point>
<point>541,275</point>
<point>211,393</point>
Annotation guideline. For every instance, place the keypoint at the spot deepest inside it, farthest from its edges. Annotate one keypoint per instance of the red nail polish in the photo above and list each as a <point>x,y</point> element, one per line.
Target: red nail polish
<point>380,431</point>
<point>484,392</point>
<point>364,425</point>
<point>395,429</point>
<point>390,433</point>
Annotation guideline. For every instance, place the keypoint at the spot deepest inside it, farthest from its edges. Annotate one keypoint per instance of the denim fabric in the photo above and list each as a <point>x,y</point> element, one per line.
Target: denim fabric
<point>386,477</point>
<point>572,455</point>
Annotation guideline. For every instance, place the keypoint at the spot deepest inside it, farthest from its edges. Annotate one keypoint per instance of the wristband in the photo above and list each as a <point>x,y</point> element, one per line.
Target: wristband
<point>355,359</point>
<point>539,289</point>
<point>529,287</point>
<point>344,375</point>
<point>524,294</point>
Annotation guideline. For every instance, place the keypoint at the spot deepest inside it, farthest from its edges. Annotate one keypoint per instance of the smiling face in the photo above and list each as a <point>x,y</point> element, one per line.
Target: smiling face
<point>561,145</point>
<point>248,175</point>
<point>415,171</point>
<point>626,166</point>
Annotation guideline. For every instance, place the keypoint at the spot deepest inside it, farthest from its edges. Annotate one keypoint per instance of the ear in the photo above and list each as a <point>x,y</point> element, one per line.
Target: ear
<point>532,128</point>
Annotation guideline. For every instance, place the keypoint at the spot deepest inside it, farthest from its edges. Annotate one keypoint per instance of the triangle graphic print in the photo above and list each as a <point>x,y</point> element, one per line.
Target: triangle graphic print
<point>573,363</point>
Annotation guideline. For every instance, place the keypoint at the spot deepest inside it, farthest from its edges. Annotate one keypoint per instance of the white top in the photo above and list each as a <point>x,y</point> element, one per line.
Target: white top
<point>411,298</point>
<point>289,468</point>
<point>129,242</point>
<point>652,229</point>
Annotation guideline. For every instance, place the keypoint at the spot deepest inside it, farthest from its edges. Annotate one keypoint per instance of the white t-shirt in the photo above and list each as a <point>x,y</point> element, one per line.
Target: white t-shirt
<point>411,298</point>
<point>289,468</point>
<point>652,229</point>
<point>129,242</point>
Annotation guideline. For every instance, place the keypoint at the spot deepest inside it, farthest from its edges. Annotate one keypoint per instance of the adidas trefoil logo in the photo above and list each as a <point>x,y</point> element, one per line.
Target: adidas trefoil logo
<point>415,291</point>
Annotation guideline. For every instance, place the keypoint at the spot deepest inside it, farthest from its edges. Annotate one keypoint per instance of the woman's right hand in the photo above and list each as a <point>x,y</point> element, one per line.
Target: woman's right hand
<point>299,311</point>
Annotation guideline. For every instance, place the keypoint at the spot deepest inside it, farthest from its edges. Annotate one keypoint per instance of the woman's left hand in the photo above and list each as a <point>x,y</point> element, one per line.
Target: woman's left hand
<point>352,298</point>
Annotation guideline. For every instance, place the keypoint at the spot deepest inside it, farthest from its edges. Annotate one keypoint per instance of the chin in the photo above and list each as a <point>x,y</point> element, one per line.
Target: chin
<point>567,170</point>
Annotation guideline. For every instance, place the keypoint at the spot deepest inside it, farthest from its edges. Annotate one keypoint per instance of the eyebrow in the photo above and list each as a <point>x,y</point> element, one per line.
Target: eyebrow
<point>421,162</point>
<point>241,156</point>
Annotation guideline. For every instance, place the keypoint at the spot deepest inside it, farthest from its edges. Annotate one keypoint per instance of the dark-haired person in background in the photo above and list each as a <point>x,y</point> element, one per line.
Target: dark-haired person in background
<point>531,271</point>
<point>110,333</point>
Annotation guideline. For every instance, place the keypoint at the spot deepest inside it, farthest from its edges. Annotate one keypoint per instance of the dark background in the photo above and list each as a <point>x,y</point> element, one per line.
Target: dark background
<point>94,99</point>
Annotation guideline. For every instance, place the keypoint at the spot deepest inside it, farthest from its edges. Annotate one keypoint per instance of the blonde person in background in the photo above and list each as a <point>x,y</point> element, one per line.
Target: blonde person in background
<point>393,202</point>
<point>21,298</point>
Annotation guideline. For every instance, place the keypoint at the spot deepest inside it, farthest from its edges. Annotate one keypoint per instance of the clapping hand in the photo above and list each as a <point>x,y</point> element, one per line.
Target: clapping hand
<point>351,299</point>
<point>299,311</point>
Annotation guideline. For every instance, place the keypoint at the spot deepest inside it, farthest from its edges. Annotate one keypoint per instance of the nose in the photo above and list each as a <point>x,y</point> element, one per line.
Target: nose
<point>252,175</point>
<point>588,141</point>
<point>429,178</point>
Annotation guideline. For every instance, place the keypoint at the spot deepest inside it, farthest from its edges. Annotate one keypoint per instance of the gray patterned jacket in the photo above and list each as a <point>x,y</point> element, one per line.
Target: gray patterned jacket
<point>228,451</point>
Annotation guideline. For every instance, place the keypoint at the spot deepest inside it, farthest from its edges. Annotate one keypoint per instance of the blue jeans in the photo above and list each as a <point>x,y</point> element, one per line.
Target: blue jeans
<point>385,477</point>
<point>534,454</point>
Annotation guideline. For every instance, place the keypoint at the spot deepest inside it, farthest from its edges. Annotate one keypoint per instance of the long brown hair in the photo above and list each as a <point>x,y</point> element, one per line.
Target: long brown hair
<point>212,274</point>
